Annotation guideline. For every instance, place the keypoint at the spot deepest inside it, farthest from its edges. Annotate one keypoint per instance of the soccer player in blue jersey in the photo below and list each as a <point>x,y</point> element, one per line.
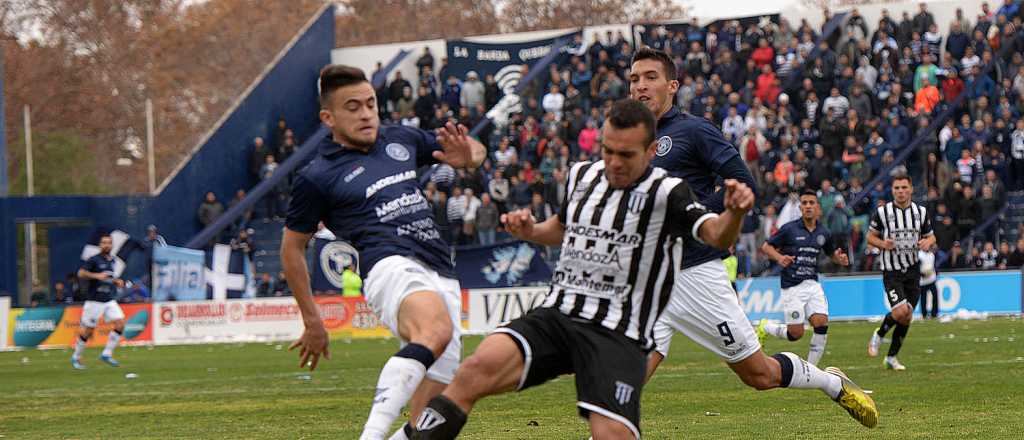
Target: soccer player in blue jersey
<point>703,305</point>
<point>100,301</point>
<point>362,185</point>
<point>796,247</point>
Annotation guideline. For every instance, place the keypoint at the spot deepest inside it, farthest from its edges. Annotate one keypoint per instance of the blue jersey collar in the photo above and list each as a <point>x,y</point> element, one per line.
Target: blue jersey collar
<point>671,114</point>
<point>329,147</point>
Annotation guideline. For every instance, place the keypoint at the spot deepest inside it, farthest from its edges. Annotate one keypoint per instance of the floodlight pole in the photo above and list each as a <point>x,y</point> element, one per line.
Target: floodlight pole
<point>31,274</point>
<point>149,145</point>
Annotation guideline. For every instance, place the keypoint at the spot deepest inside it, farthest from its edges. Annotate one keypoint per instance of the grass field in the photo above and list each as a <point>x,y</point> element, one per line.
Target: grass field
<point>961,383</point>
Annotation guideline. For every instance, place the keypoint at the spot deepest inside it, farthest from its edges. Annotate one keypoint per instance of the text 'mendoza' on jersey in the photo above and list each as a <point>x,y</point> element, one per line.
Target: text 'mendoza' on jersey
<point>373,199</point>
<point>621,250</point>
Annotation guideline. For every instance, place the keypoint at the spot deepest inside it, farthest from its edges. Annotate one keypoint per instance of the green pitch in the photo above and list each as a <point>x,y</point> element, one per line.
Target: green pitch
<point>957,386</point>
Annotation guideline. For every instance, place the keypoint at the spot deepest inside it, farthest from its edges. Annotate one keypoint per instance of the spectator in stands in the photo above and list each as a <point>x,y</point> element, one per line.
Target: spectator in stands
<point>281,286</point>
<point>469,218</point>
<point>265,285</point>
<point>272,198</point>
<point>210,209</point>
<point>243,243</point>
<point>835,105</point>
<point>926,98</point>
<point>473,92</point>
<point>990,207</point>
<point>396,87</point>
<point>519,195</point>
<point>957,259</point>
<point>425,61</point>
<point>405,104</point>
<point>487,217</point>
<point>256,156</point>
<point>61,294</point>
<point>499,190</point>
<point>1016,258</point>
<point>554,101</point>
<point>456,210</point>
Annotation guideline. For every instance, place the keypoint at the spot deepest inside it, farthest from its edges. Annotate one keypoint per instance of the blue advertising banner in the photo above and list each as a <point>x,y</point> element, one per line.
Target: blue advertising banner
<point>509,264</point>
<point>484,58</point>
<point>863,296</point>
<point>178,274</point>
<point>330,258</point>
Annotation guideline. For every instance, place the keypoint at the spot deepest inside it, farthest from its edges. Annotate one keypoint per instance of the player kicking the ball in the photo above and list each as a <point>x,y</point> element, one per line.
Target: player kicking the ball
<point>703,305</point>
<point>796,247</point>
<point>362,185</point>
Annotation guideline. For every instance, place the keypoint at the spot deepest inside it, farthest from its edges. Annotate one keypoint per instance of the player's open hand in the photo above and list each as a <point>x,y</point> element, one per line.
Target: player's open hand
<point>458,151</point>
<point>842,258</point>
<point>519,223</point>
<point>924,244</point>
<point>313,344</point>
<point>738,196</point>
<point>786,260</point>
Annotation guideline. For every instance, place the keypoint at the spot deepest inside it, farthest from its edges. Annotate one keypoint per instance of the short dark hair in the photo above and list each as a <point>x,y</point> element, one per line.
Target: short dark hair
<point>650,53</point>
<point>903,176</point>
<point>629,113</point>
<point>808,192</point>
<point>336,76</point>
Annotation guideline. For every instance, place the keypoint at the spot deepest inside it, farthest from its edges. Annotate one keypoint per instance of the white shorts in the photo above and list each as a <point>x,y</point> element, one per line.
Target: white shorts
<point>803,300</point>
<point>93,310</point>
<point>394,278</point>
<point>704,307</point>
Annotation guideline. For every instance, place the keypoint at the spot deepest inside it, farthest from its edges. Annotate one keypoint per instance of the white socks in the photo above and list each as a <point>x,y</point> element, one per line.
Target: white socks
<point>807,376</point>
<point>79,348</point>
<point>398,381</point>
<point>112,340</point>
<point>776,329</point>
<point>817,348</point>
<point>400,434</point>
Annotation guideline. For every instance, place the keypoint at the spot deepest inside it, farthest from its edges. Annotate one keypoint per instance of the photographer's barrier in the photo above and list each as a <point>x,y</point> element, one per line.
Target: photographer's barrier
<point>849,298</point>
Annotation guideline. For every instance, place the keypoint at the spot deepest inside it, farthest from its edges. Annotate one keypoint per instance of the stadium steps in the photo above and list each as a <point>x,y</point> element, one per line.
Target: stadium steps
<point>267,238</point>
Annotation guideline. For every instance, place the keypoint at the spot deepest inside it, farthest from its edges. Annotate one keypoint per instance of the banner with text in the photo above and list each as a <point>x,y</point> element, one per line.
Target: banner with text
<point>178,274</point>
<point>57,326</point>
<point>508,264</point>
<point>859,297</point>
<point>489,308</point>
<point>258,320</point>
<point>484,58</point>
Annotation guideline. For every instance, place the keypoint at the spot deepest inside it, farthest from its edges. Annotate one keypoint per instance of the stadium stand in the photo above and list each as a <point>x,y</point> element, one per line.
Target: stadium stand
<point>837,117</point>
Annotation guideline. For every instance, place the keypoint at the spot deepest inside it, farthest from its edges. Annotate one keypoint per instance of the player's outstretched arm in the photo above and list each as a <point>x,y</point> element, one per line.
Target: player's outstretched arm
<point>722,231</point>
<point>313,342</point>
<point>521,224</point>
<point>460,150</point>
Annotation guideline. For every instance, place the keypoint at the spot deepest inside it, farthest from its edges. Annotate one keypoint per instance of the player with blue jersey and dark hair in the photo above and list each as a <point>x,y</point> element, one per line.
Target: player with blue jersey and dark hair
<point>362,185</point>
<point>100,302</point>
<point>796,247</point>
<point>703,304</point>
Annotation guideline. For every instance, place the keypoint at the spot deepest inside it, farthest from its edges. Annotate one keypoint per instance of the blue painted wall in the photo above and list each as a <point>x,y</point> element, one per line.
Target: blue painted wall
<point>220,165</point>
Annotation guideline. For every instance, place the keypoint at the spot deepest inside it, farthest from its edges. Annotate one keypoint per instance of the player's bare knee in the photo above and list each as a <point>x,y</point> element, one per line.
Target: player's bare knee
<point>795,332</point>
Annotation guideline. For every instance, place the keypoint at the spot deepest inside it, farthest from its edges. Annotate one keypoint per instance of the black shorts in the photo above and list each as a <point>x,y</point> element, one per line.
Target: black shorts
<point>902,287</point>
<point>609,367</point>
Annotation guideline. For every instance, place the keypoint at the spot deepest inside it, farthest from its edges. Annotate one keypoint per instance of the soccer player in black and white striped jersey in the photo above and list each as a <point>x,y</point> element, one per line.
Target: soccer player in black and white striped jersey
<point>621,230</point>
<point>899,228</point>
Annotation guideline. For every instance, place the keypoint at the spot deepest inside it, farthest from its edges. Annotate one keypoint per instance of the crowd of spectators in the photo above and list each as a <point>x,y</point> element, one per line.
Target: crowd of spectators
<point>829,114</point>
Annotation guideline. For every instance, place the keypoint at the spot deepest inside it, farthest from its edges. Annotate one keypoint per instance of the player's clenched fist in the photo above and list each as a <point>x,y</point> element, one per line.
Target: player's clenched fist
<point>519,223</point>
<point>738,196</point>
